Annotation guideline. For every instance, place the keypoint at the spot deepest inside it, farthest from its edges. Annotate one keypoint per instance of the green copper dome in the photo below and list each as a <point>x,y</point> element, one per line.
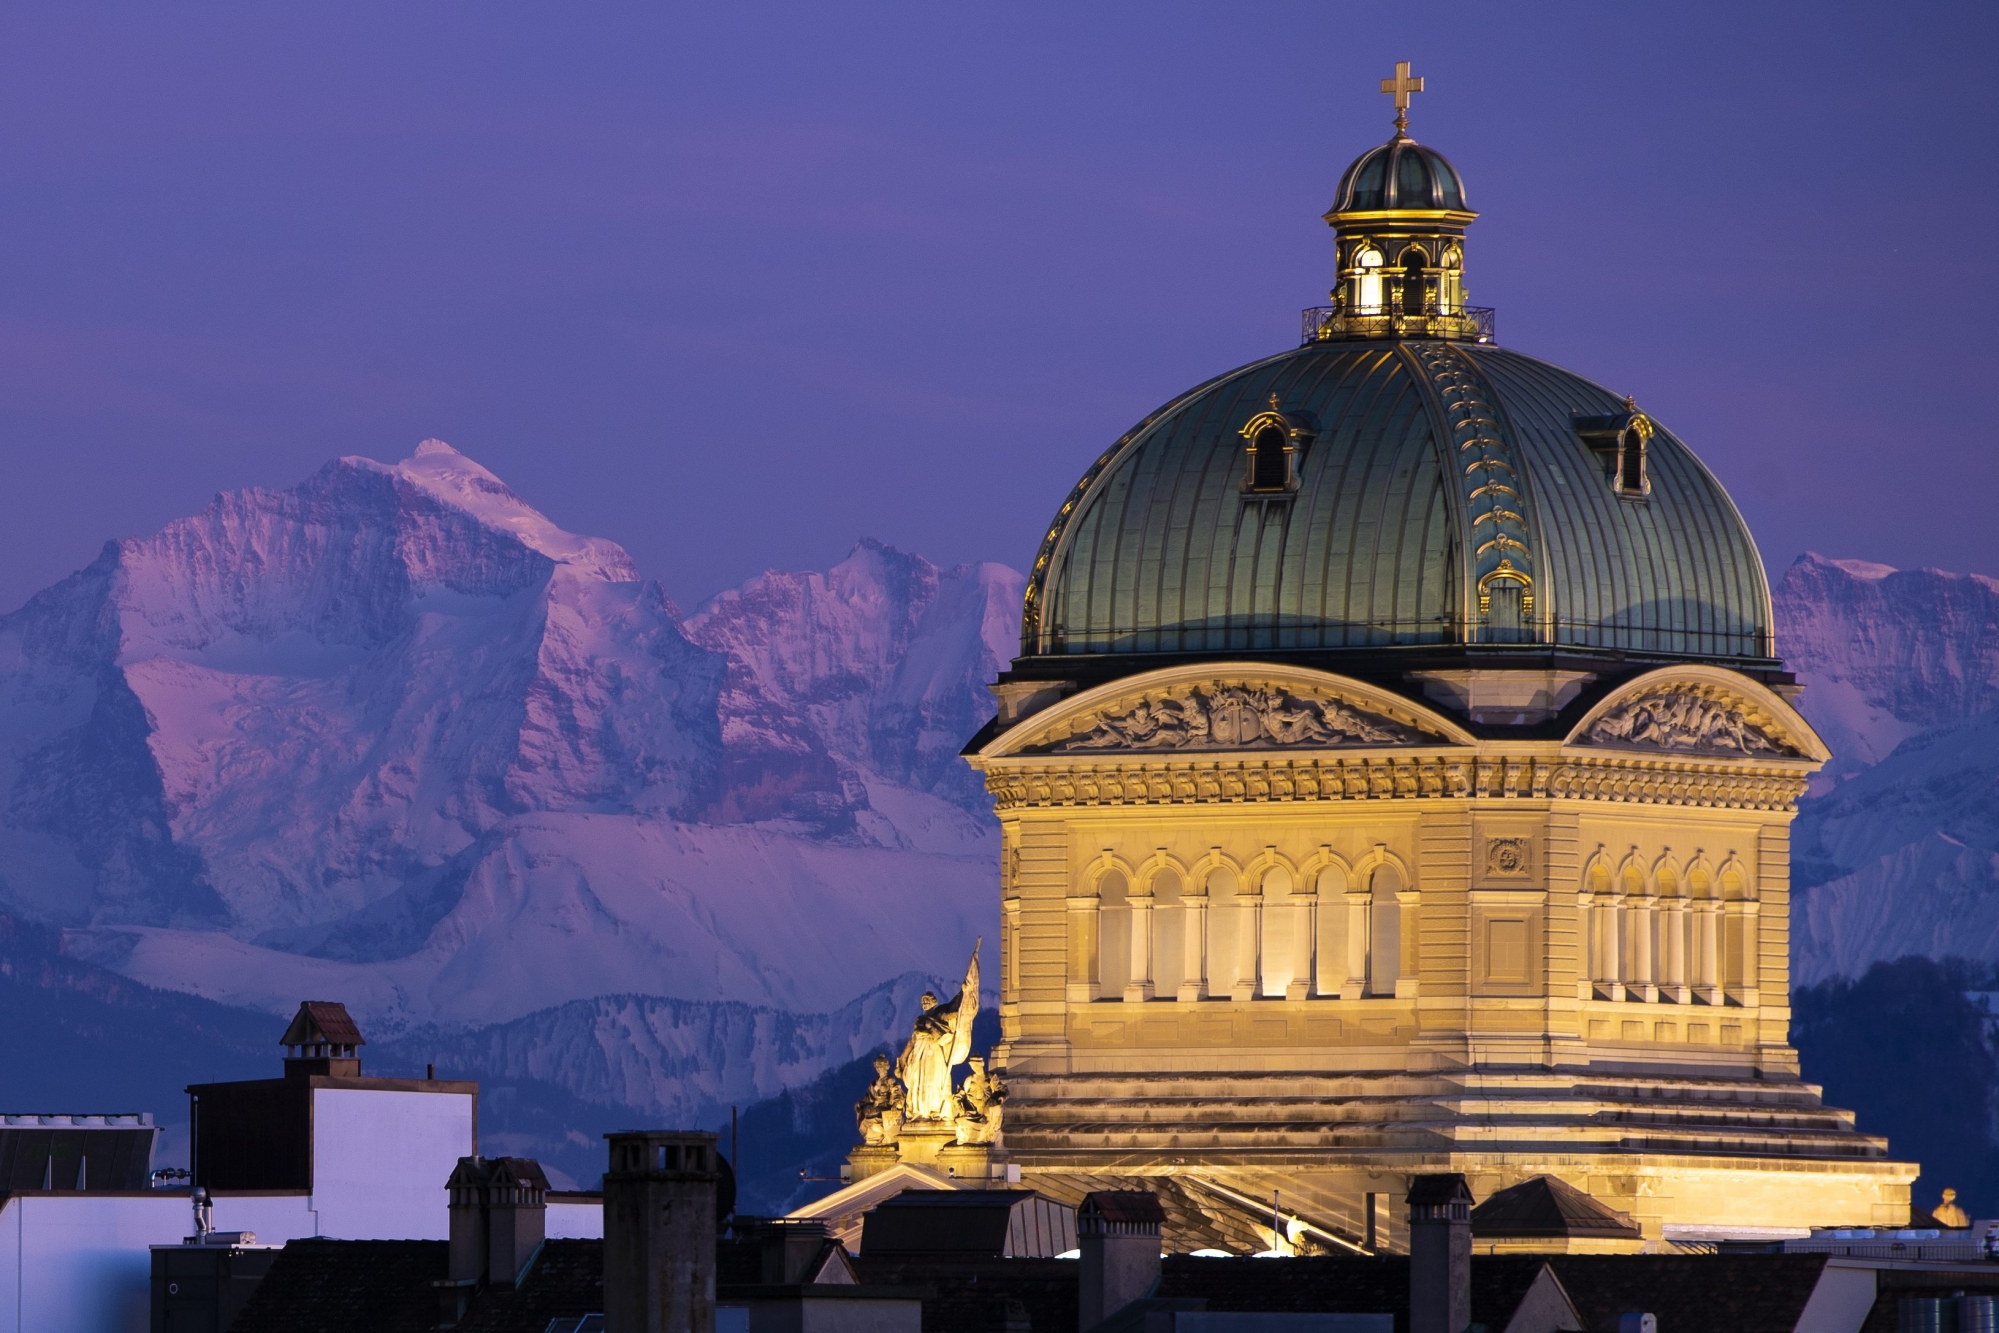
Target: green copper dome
<point>1398,494</point>
<point>1400,174</point>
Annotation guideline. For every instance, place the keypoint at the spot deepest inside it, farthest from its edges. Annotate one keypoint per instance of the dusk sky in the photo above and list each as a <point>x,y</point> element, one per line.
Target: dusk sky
<point>734,285</point>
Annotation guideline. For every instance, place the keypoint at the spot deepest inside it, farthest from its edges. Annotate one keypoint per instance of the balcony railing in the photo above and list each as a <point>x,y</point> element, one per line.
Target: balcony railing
<point>1471,323</point>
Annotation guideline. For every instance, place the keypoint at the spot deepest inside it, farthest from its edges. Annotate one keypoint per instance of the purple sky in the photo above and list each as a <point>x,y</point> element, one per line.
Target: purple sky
<point>736,288</point>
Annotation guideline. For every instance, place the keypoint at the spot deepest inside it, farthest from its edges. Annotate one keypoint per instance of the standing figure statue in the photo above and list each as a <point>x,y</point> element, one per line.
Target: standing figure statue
<point>941,1040</point>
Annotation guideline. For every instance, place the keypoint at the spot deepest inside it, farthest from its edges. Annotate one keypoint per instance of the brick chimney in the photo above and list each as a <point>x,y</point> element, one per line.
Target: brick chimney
<point>1439,1254</point>
<point>659,1232</point>
<point>1118,1233</point>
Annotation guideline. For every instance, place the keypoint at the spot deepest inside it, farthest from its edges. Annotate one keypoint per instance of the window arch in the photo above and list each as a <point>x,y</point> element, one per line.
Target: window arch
<point>1414,283</point>
<point>1286,927</point>
<point>1270,464</point>
<point>1333,953</point>
<point>1224,948</point>
<point>1367,285</point>
<point>1451,287</point>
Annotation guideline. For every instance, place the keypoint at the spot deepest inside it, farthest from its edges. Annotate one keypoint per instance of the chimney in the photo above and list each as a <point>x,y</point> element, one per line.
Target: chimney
<point>788,1247</point>
<point>1118,1233</point>
<point>1439,1254</point>
<point>499,1216</point>
<point>659,1232</point>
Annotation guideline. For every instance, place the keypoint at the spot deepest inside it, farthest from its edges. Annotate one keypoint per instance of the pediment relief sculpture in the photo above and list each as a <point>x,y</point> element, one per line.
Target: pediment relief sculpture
<point>1687,719</point>
<point>1234,717</point>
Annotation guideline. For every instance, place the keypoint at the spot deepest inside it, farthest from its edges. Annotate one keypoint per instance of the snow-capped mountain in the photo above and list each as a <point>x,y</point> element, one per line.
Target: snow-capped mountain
<point>1897,850</point>
<point>392,736</point>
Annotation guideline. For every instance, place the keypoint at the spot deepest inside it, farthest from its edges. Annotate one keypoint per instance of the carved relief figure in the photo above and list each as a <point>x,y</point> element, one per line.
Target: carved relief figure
<point>879,1112</point>
<point>940,1040</point>
<point>979,1105</point>
<point>1682,720</point>
<point>1237,717</point>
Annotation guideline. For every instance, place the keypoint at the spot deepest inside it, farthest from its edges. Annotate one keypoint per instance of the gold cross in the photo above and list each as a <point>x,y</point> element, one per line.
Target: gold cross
<point>1402,86</point>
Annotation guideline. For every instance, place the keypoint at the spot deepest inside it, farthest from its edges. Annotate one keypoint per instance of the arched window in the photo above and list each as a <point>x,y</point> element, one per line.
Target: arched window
<point>1270,465</point>
<point>1631,462</point>
<point>1384,961</point>
<point>1113,933</point>
<point>1451,289</point>
<point>1367,287</point>
<point>1169,935</point>
<point>1413,261</point>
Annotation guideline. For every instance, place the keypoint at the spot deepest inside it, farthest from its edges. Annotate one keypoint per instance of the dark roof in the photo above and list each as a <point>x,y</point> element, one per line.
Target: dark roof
<point>1399,174</point>
<point>333,1286</point>
<point>322,1021</point>
<point>384,1286</point>
<point>1545,1206</point>
<point>960,1222</point>
<point>1341,1285</point>
<point>983,1295</point>
<point>114,1158</point>
<point>476,1171</point>
<point>1695,1293</point>
<point>1134,1206</point>
<point>1429,1191</point>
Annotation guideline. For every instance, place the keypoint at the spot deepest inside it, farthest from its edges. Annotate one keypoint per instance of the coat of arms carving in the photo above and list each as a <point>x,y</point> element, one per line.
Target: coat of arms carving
<point>1683,720</point>
<point>1238,717</point>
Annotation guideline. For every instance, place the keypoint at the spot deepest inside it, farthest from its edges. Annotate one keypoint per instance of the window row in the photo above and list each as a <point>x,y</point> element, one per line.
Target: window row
<point>1342,937</point>
<point>1371,282</point>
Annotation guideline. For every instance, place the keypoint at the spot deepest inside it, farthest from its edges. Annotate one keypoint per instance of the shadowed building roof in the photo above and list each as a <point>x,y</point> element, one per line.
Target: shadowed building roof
<point>1547,1207</point>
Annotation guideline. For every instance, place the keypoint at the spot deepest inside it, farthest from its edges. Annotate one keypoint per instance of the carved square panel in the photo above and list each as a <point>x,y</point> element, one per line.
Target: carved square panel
<point>1506,950</point>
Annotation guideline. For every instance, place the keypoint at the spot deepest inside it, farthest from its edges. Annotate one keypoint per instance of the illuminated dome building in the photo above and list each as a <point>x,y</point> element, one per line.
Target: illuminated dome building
<point>1397,777</point>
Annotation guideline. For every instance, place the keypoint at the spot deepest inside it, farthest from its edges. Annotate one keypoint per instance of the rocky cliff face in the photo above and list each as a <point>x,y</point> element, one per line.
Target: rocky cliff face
<point>1897,850</point>
<point>392,735</point>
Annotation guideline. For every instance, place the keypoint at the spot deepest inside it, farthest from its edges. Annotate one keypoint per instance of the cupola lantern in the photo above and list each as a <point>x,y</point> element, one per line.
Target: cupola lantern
<point>1399,220</point>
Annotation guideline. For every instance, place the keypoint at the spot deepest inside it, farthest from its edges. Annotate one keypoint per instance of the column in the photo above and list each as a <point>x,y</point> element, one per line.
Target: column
<point>1304,942</point>
<point>1194,972</point>
<point>1674,938</point>
<point>1643,925</point>
<point>1083,948</point>
<point>1138,981</point>
<point>1358,928</point>
<point>1249,935</point>
<point>1707,947</point>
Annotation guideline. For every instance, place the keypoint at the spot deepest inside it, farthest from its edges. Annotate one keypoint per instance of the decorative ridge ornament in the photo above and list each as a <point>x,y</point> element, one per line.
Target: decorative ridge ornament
<point>1401,87</point>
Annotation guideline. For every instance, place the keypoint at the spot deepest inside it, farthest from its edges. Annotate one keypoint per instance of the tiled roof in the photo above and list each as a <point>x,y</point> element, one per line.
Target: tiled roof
<point>566,1281</point>
<point>322,1021</point>
<point>1545,1206</point>
<point>347,1286</point>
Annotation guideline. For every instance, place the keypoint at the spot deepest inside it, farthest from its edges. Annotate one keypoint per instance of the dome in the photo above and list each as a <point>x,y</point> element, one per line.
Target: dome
<point>1413,486</point>
<point>1400,174</point>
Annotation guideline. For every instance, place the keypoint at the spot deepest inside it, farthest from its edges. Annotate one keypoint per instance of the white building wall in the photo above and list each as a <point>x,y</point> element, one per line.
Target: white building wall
<point>380,1161</point>
<point>575,1220</point>
<point>84,1261</point>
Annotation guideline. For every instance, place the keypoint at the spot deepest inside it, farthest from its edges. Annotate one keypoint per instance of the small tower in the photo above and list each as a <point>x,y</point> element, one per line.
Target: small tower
<point>322,1039</point>
<point>1439,1254</point>
<point>659,1232</point>
<point>1399,220</point>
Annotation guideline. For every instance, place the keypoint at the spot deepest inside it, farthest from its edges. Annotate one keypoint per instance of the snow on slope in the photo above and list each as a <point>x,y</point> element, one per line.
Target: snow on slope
<point>393,733</point>
<point>1898,852</point>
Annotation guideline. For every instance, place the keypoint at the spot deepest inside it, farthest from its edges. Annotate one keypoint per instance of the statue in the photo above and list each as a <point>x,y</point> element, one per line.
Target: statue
<point>879,1112</point>
<point>1949,1213</point>
<point>979,1105</point>
<point>940,1040</point>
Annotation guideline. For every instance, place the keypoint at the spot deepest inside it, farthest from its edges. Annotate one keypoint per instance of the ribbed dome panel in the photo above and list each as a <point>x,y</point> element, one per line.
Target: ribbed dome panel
<point>1160,551</point>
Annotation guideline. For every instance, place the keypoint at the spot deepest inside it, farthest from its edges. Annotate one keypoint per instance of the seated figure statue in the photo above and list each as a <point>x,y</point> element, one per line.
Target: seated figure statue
<point>979,1105</point>
<point>880,1110</point>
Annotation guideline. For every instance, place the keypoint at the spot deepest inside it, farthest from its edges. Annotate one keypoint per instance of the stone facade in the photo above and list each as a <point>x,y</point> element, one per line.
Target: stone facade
<point>1273,928</point>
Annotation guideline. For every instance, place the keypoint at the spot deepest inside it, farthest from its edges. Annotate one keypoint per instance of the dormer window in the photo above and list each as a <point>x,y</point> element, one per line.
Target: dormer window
<point>1274,439</point>
<point>1619,440</point>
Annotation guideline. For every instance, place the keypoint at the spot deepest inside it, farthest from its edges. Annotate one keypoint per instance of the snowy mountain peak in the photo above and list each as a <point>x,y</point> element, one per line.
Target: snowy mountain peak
<point>444,474</point>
